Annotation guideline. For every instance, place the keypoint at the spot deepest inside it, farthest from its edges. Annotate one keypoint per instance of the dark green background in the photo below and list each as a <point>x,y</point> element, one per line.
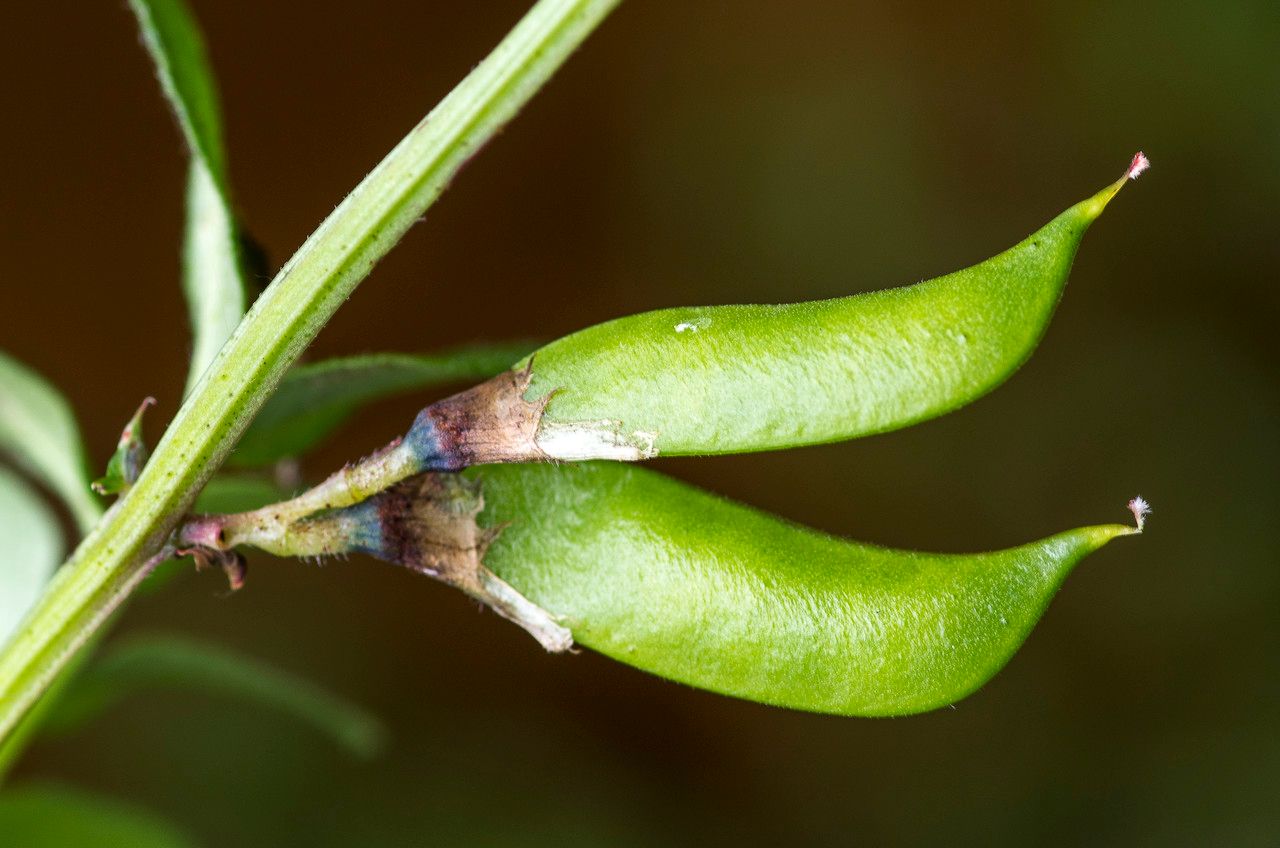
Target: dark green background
<point>703,153</point>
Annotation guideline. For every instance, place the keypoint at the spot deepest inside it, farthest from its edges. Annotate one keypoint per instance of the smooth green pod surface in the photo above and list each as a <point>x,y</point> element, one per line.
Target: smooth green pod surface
<point>689,586</point>
<point>727,379</point>
<point>742,378</point>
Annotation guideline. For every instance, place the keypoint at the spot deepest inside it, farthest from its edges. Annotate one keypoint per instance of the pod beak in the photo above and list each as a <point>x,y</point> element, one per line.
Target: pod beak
<point>1103,533</point>
<point>1093,206</point>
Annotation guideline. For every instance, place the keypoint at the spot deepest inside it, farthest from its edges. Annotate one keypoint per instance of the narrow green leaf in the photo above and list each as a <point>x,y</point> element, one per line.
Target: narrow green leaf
<point>212,278</point>
<point>173,39</point>
<point>689,586</point>
<point>315,399</point>
<point>147,663</point>
<point>212,274</point>
<point>31,546</point>
<point>47,816</point>
<point>319,278</point>
<point>38,429</point>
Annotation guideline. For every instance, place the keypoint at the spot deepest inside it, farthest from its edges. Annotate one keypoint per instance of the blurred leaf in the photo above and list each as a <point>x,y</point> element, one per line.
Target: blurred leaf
<point>171,662</point>
<point>15,744</point>
<point>212,276</point>
<point>131,454</point>
<point>173,39</point>
<point>61,817</point>
<point>315,399</point>
<point>238,493</point>
<point>32,546</point>
<point>39,430</point>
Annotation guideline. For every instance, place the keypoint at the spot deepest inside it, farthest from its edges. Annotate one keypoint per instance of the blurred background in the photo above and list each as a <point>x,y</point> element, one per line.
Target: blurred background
<point>715,152</point>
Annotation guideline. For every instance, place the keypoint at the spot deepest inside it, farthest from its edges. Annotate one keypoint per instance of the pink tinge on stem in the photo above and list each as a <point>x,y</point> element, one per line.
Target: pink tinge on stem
<point>1139,164</point>
<point>203,531</point>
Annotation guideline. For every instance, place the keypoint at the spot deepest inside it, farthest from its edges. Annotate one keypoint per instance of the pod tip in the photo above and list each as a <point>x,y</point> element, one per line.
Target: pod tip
<point>1139,506</point>
<point>1139,164</point>
<point>1093,207</point>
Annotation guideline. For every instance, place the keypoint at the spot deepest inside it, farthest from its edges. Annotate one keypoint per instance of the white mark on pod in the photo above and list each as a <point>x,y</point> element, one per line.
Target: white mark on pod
<point>581,440</point>
<point>701,322</point>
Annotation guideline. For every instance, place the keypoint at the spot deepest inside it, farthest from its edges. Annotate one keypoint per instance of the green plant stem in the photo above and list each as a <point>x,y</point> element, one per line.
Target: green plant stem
<point>115,556</point>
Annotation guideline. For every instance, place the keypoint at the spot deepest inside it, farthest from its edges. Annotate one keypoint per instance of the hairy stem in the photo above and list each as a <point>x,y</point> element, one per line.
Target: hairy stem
<point>114,557</point>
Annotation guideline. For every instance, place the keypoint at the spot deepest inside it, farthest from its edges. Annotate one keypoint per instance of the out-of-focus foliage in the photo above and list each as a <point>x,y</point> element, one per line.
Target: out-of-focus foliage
<point>213,277</point>
<point>39,432</point>
<point>146,663</point>
<point>47,816</point>
<point>316,398</point>
<point>30,549</point>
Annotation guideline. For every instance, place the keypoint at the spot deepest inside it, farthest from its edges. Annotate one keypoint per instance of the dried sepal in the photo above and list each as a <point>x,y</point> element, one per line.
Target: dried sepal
<point>231,562</point>
<point>426,523</point>
<point>130,455</point>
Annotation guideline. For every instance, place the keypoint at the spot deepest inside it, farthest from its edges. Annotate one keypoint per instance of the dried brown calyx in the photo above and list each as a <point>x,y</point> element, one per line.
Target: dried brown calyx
<point>427,523</point>
<point>488,423</point>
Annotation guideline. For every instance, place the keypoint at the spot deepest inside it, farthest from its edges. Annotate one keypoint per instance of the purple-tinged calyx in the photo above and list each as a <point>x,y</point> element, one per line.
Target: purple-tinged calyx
<point>426,523</point>
<point>489,423</point>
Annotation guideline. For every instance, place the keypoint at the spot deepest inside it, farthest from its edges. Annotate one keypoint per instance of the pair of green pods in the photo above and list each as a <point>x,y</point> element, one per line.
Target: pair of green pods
<point>682,583</point>
<point>691,587</point>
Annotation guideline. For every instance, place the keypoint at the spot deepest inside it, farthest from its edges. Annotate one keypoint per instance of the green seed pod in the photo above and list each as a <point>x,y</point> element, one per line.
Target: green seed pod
<point>728,379</point>
<point>689,586</point>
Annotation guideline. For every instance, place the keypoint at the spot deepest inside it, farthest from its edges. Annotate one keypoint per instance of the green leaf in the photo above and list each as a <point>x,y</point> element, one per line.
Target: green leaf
<point>46,816</point>
<point>315,399</point>
<point>13,746</point>
<point>31,546</point>
<point>212,275</point>
<point>38,429</point>
<point>310,287</point>
<point>692,587</point>
<point>237,493</point>
<point>172,37</point>
<point>146,663</point>
<point>130,455</point>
